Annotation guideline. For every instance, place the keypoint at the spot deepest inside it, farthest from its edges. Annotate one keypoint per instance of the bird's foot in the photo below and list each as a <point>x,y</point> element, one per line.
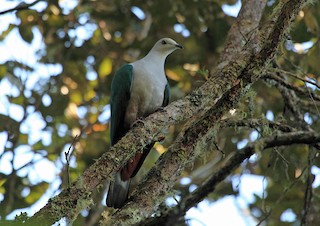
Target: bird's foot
<point>135,123</point>
<point>160,109</point>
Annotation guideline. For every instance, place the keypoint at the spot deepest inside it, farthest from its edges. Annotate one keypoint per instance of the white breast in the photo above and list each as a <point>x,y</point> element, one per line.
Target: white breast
<point>148,86</point>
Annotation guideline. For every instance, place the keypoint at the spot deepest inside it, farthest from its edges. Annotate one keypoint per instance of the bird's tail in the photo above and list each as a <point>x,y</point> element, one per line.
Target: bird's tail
<point>118,192</point>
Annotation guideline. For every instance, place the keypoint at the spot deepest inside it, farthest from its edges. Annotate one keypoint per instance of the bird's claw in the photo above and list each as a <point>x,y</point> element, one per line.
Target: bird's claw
<point>160,109</point>
<point>135,123</point>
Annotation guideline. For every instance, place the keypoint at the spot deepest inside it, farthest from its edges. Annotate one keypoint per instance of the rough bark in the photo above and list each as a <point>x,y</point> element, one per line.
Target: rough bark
<point>219,94</point>
<point>244,71</point>
<point>169,217</point>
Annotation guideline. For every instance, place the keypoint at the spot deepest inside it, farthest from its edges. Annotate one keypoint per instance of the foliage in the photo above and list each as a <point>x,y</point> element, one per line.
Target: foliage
<point>61,90</point>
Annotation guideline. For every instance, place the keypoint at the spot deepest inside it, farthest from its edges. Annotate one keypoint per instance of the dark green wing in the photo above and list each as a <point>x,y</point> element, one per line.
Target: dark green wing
<point>119,100</point>
<point>166,96</point>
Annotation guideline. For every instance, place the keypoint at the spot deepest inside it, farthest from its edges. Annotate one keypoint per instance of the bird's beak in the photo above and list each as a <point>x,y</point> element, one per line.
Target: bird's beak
<point>179,46</point>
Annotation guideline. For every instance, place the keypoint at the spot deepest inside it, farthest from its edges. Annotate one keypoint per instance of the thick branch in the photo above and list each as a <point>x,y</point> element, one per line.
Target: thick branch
<point>187,145</point>
<point>230,165</point>
<point>135,140</point>
<point>247,68</point>
<point>244,30</point>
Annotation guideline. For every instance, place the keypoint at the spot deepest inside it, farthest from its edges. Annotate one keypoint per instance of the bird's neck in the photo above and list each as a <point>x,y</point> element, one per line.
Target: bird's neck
<point>156,57</point>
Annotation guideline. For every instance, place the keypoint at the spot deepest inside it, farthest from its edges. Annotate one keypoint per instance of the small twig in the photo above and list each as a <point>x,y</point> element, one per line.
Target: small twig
<point>219,149</point>
<point>304,80</point>
<point>175,199</point>
<point>296,76</point>
<point>288,85</point>
<point>20,6</point>
<point>283,158</point>
<point>266,216</point>
<point>231,163</point>
<point>263,198</point>
<point>256,124</point>
<point>67,156</point>
<point>283,195</point>
<point>313,99</point>
<point>308,192</point>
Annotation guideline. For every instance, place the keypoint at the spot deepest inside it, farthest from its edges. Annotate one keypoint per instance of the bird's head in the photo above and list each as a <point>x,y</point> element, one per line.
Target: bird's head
<point>165,46</point>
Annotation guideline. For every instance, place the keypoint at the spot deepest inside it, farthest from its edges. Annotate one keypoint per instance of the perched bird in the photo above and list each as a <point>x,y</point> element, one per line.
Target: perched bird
<point>138,89</point>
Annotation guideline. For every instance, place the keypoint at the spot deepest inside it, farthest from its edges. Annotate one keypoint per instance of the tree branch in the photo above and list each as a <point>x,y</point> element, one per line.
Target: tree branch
<point>293,75</point>
<point>288,85</point>
<point>20,6</point>
<point>243,31</point>
<point>229,81</point>
<point>193,138</point>
<point>291,102</point>
<point>257,123</point>
<point>135,141</point>
<point>230,165</point>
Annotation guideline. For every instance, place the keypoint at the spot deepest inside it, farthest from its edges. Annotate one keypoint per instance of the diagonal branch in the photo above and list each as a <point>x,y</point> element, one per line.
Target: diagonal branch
<point>288,85</point>
<point>133,142</point>
<point>257,123</point>
<point>228,166</point>
<point>296,76</point>
<point>20,6</point>
<point>193,138</point>
<point>229,81</point>
<point>243,31</point>
<point>291,103</point>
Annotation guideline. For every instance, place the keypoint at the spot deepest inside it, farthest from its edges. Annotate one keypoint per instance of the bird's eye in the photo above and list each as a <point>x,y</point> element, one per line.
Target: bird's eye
<point>163,42</point>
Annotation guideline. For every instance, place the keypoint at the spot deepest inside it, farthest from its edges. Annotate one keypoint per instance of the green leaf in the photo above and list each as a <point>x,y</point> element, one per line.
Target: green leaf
<point>3,71</point>
<point>105,67</point>
<point>26,33</point>
<point>2,189</point>
<point>36,192</point>
<point>6,32</point>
